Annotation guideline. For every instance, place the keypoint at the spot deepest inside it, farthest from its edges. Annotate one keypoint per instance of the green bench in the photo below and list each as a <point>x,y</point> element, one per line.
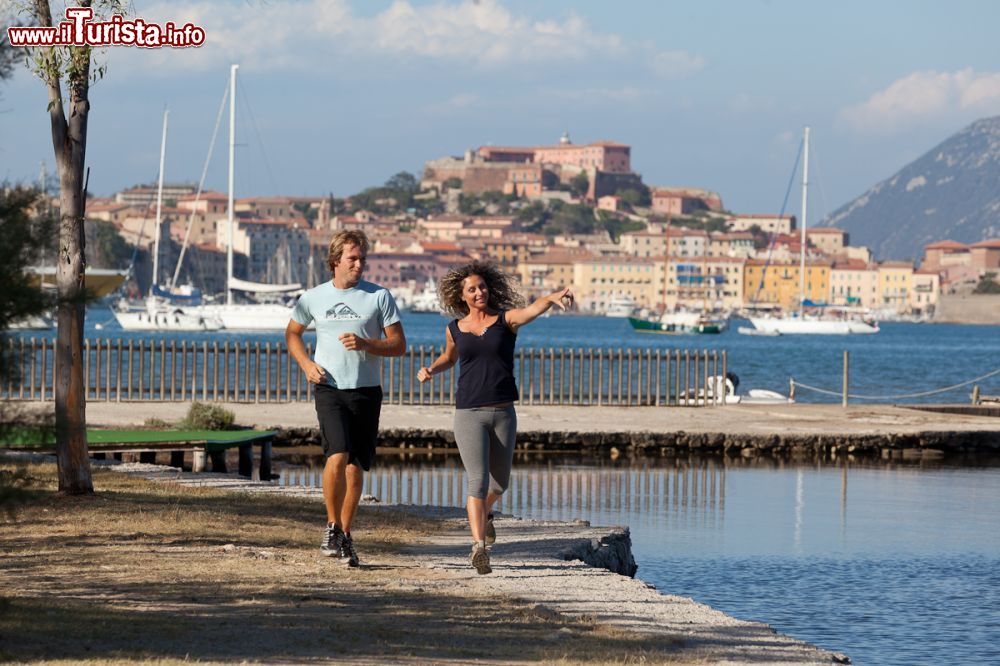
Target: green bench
<point>202,443</point>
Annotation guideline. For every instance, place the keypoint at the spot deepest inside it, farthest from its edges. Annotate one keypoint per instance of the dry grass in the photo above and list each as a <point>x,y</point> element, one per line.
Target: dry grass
<point>156,573</point>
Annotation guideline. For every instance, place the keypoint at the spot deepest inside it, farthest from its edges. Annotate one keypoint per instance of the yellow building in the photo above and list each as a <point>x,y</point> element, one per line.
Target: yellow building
<point>544,273</point>
<point>895,284</point>
<point>777,284</point>
<point>703,283</point>
<point>596,282</point>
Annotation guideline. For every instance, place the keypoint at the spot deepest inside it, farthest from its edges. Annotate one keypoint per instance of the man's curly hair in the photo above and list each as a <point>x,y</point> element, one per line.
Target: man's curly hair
<point>503,293</point>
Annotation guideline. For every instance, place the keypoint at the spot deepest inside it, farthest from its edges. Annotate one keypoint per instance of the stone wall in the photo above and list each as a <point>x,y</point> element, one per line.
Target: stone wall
<point>971,309</point>
<point>930,444</point>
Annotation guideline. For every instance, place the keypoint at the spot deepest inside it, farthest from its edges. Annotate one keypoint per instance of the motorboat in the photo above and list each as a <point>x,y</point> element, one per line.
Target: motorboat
<point>679,323</point>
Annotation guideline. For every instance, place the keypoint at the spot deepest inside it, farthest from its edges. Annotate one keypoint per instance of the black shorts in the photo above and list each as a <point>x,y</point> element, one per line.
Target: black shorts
<point>348,422</point>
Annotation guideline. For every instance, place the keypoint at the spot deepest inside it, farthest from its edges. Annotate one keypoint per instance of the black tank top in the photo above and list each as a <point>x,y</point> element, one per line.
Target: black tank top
<point>486,365</point>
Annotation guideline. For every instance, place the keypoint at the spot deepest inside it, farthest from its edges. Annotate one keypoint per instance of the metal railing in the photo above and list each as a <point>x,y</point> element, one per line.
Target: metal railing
<point>166,371</point>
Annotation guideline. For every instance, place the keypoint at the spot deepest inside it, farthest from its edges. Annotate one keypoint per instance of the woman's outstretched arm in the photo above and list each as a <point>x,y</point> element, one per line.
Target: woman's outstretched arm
<point>562,299</point>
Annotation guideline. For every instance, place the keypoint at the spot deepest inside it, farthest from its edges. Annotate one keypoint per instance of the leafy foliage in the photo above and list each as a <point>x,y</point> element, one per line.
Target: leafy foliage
<point>485,203</point>
<point>987,284</point>
<point>202,416</point>
<point>579,184</point>
<point>105,246</point>
<point>636,197</point>
<point>404,181</point>
<point>307,211</point>
<point>23,238</point>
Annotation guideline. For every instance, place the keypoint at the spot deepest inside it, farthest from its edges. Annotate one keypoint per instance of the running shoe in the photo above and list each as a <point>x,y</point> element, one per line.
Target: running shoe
<point>491,533</point>
<point>332,541</point>
<point>480,558</point>
<point>347,552</point>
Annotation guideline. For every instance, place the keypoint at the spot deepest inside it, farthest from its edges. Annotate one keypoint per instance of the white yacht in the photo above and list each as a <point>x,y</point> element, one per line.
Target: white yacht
<point>157,313</point>
<point>426,300</point>
<point>801,323</point>
<point>805,324</point>
<point>245,316</point>
<point>160,316</point>
<point>620,305</point>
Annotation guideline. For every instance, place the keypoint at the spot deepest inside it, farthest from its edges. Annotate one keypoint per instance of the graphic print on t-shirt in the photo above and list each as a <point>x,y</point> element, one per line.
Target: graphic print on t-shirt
<point>341,312</point>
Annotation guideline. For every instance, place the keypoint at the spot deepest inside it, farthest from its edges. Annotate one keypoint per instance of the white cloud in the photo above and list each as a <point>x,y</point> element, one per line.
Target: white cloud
<point>320,34</point>
<point>926,96</point>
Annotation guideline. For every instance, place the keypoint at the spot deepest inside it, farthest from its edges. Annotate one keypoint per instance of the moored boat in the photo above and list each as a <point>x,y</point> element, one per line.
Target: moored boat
<point>678,323</point>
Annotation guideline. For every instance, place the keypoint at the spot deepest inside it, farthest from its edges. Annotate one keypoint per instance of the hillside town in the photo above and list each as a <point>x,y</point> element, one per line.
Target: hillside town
<point>562,214</point>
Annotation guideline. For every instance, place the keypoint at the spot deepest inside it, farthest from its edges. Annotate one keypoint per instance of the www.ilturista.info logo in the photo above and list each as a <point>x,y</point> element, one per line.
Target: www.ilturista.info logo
<point>80,30</point>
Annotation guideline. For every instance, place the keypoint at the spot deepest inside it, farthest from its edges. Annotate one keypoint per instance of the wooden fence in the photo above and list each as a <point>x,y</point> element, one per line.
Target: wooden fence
<point>163,371</point>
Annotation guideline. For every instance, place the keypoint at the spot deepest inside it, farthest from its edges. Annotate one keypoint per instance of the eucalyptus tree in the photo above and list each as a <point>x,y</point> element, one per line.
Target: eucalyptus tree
<point>72,67</point>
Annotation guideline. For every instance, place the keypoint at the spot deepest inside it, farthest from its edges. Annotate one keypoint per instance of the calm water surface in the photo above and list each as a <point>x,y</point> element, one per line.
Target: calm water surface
<point>901,359</point>
<point>890,564</point>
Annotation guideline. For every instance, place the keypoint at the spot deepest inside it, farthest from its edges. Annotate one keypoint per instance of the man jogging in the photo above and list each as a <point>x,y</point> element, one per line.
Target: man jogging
<point>357,323</point>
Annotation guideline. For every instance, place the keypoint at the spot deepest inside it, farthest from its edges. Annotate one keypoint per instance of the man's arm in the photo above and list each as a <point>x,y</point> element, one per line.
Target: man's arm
<point>393,344</point>
<point>297,348</point>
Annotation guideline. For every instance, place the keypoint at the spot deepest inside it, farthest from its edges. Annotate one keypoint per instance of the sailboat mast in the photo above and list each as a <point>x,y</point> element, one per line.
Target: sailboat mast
<point>159,203</point>
<point>232,161</point>
<point>805,198</point>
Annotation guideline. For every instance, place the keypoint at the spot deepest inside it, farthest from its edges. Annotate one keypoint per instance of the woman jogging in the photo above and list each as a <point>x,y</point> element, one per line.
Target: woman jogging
<point>481,339</point>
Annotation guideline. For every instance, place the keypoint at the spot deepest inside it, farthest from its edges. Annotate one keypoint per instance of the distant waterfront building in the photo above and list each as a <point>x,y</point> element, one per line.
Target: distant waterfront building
<point>895,285</point>
<point>771,224</point>
<point>528,171</point>
<point>609,156</point>
<point>829,240</point>
<point>268,207</point>
<point>732,244</point>
<point>777,283</point>
<point>703,283</point>
<point>142,196</point>
<point>684,200</point>
<point>926,292</point>
<point>543,273</point>
<point>854,283</point>
<point>597,282</point>
<point>643,244</point>
<point>685,242</point>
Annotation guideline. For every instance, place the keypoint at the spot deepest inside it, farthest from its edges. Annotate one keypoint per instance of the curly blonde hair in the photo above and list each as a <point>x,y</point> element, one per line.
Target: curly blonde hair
<point>503,293</point>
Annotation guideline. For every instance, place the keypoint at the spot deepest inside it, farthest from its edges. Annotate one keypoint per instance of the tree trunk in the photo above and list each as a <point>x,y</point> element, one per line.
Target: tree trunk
<point>69,142</point>
<point>71,402</point>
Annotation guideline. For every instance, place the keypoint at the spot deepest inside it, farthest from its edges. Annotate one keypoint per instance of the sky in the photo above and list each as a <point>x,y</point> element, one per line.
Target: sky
<point>338,95</point>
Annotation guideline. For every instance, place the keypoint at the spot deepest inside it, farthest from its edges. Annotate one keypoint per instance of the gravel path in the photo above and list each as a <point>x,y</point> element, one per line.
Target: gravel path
<point>529,564</point>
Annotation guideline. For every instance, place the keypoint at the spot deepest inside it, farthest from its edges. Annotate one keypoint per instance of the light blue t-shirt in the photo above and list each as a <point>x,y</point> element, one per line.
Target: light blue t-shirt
<point>364,310</point>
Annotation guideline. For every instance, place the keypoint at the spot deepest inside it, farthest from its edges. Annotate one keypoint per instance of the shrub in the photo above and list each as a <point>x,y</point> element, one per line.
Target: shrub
<point>202,416</point>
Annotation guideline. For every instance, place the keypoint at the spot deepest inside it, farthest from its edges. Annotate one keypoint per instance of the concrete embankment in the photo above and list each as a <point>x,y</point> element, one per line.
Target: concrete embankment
<point>748,430</point>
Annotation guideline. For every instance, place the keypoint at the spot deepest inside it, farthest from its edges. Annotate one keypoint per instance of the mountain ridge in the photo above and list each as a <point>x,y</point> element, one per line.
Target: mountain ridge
<point>950,192</point>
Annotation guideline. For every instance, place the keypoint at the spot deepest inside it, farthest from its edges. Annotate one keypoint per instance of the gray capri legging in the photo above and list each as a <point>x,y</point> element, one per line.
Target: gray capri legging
<point>485,438</point>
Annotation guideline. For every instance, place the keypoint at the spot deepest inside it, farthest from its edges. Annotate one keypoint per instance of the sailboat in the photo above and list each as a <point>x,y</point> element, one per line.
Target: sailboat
<point>245,316</point>
<point>800,323</point>
<point>158,313</point>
